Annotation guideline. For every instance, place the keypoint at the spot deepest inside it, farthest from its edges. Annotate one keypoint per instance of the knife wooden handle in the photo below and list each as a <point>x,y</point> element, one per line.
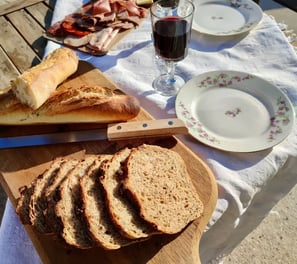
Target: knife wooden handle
<point>149,128</point>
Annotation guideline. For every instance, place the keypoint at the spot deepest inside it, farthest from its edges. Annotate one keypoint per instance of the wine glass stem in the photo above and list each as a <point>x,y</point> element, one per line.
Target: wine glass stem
<point>171,71</point>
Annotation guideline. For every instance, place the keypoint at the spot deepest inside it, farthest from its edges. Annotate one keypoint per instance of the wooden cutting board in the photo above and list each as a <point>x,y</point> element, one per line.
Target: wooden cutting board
<point>20,166</point>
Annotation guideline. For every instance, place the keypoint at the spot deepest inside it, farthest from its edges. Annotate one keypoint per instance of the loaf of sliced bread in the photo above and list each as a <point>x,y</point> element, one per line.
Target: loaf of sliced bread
<point>158,180</point>
<point>69,207</point>
<point>38,202</point>
<point>112,201</point>
<point>100,225</point>
<point>122,212</point>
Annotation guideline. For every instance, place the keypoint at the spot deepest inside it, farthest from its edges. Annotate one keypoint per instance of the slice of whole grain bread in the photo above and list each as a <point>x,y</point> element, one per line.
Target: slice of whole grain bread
<point>68,209</point>
<point>22,208</point>
<point>100,225</point>
<point>158,180</point>
<point>38,203</point>
<point>122,211</point>
<point>52,195</point>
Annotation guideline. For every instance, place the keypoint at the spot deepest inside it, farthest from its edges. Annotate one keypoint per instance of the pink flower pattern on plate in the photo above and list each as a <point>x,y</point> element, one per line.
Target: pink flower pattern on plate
<point>222,80</point>
<point>195,125</point>
<point>280,118</point>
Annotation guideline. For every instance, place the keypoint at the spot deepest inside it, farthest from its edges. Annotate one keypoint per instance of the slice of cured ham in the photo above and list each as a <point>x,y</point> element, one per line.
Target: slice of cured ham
<point>101,6</point>
<point>100,40</point>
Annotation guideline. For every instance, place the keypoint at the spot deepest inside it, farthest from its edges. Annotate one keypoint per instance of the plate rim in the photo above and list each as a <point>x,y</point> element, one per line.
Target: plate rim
<point>232,33</point>
<point>211,142</point>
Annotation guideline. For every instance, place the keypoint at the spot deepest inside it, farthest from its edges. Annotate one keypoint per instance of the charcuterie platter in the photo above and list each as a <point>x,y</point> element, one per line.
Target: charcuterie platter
<point>98,25</point>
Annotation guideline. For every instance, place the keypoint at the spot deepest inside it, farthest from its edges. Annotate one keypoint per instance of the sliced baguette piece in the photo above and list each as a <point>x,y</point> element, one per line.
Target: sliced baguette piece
<point>36,85</point>
<point>71,105</point>
<point>68,209</point>
<point>52,195</point>
<point>100,225</point>
<point>122,212</point>
<point>38,202</point>
<point>158,180</point>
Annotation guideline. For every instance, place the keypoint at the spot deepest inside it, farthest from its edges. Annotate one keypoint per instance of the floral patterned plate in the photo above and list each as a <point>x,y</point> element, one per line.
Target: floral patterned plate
<point>235,111</point>
<point>226,17</point>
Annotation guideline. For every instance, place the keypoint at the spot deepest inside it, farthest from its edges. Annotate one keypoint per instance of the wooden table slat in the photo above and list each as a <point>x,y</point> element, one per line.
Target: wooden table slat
<point>13,5</point>
<point>20,53</point>
<point>30,30</point>
<point>22,24</point>
<point>41,13</point>
<point>8,70</point>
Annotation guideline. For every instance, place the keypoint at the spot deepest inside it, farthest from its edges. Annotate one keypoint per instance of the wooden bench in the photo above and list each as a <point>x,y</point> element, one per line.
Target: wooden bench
<point>21,42</point>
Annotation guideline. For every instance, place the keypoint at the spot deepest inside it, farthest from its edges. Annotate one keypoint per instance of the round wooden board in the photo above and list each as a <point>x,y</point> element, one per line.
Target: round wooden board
<point>18,170</point>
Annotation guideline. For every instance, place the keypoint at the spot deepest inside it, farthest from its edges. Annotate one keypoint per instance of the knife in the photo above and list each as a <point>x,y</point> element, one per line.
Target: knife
<point>117,131</point>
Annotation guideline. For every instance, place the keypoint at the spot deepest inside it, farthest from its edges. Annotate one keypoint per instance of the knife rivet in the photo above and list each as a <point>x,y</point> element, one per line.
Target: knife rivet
<point>144,125</point>
<point>170,123</point>
<point>119,127</point>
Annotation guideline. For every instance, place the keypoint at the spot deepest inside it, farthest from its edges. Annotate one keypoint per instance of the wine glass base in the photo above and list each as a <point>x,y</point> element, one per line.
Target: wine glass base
<point>168,87</point>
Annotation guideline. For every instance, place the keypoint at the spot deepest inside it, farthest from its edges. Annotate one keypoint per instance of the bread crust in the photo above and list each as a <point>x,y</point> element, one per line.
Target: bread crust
<point>31,202</point>
<point>83,104</point>
<point>22,208</point>
<point>38,202</point>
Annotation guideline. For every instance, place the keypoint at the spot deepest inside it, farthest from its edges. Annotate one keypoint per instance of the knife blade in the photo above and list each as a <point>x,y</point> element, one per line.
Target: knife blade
<point>117,131</point>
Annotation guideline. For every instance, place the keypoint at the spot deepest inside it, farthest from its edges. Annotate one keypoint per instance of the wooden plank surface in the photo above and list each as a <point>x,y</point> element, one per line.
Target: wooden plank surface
<point>8,70</point>
<point>8,6</point>
<point>42,13</point>
<point>16,47</point>
<point>17,171</point>
<point>29,29</point>
<point>22,43</point>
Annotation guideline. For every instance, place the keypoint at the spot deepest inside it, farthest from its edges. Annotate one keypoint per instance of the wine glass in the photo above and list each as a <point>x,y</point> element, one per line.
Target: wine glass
<point>171,25</point>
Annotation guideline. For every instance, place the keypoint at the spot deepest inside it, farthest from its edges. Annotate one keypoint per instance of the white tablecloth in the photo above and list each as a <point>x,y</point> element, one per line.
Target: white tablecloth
<point>249,183</point>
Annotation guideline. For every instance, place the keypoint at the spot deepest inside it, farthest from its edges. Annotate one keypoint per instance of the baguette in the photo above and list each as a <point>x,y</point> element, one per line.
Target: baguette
<point>83,104</point>
<point>36,85</point>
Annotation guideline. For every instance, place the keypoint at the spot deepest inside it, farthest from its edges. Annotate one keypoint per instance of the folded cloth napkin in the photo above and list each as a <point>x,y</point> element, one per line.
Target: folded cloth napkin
<point>249,184</point>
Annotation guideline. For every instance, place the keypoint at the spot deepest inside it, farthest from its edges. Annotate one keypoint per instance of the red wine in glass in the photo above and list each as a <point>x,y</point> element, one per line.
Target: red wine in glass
<point>171,38</point>
<point>171,27</point>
